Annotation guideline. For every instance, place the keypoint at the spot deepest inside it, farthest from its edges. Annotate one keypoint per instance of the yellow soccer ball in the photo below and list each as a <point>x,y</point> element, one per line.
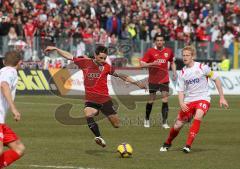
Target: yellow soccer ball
<point>125,150</point>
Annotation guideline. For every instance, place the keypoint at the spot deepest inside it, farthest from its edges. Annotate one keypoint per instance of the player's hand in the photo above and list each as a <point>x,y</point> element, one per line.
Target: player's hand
<point>155,63</point>
<point>16,114</point>
<point>141,85</point>
<point>184,107</point>
<point>223,103</point>
<point>50,48</point>
<point>174,76</point>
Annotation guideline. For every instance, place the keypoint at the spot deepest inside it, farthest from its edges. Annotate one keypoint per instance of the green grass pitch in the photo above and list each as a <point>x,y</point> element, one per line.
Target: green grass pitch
<point>51,144</point>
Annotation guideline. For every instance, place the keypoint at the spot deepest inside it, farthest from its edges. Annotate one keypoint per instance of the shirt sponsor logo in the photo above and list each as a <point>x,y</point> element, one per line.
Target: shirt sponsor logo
<point>161,61</point>
<point>192,81</point>
<point>93,75</point>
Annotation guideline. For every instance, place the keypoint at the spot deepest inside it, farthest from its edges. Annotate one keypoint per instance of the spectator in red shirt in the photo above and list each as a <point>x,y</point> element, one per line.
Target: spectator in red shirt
<point>29,31</point>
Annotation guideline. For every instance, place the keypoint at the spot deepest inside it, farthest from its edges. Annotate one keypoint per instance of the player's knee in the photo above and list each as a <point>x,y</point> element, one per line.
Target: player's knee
<point>199,115</point>
<point>178,125</point>
<point>89,114</point>
<point>116,122</point>
<point>116,125</point>
<point>20,149</point>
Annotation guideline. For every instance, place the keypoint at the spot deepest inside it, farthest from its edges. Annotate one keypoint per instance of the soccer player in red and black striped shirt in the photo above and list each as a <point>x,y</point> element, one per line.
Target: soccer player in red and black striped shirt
<point>156,59</point>
<point>95,73</point>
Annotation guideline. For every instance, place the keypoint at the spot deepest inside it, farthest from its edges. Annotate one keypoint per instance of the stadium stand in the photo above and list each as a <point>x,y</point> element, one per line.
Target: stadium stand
<point>78,25</point>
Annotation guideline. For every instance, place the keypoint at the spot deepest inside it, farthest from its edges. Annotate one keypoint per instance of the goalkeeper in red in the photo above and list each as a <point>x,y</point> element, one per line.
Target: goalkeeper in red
<point>194,97</point>
<point>97,99</point>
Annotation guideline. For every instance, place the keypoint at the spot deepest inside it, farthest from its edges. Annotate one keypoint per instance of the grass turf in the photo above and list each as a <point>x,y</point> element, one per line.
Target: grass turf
<point>50,143</point>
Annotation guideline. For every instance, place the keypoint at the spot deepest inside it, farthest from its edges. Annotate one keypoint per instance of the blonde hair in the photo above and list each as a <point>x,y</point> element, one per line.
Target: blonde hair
<point>191,49</point>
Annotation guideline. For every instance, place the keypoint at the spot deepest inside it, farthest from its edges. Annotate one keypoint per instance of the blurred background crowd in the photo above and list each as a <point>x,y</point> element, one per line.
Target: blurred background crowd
<point>127,27</point>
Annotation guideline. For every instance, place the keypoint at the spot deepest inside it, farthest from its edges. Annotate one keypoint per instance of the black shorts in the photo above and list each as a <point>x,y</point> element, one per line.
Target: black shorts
<point>153,88</point>
<point>106,108</point>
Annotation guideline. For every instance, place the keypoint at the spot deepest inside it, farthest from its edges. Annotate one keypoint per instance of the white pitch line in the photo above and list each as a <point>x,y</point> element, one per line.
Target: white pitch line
<point>53,166</point>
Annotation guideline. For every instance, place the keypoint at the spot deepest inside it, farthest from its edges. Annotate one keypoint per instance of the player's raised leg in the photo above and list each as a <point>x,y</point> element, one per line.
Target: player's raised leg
<point>89,114</point>
<point>109,110</point>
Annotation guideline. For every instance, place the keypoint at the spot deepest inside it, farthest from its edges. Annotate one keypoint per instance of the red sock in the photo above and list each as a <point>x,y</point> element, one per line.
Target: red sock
<point>173,133</point>
<point>193,131</point>
<point>8,157</point>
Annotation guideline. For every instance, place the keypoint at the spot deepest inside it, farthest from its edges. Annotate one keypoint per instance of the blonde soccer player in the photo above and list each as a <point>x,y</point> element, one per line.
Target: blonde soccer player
<point>194,97</point>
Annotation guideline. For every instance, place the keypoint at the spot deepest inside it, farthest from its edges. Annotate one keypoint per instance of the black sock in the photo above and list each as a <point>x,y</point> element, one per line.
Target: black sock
<point>148,110</point>
<point>93,126</point>
<point>164,112</point>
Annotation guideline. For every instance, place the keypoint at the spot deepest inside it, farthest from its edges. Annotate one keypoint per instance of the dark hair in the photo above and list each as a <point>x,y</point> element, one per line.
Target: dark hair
<point>158,35</point>
<point>12,58</point>
<point>101,49</point>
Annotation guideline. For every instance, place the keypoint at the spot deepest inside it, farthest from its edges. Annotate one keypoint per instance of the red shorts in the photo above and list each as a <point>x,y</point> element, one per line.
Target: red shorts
<point>193,106</point>
<point>7,135</point>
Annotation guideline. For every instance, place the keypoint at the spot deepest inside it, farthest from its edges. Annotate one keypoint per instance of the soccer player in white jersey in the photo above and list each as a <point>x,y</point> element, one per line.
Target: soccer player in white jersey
<point>8,82</point>
<point>194,97</point>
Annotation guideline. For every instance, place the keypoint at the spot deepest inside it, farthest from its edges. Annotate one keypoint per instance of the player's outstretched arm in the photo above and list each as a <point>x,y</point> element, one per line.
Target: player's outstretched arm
<point>5,89</point>
<point>127,78</point>
<point>223,102</point>
<point>147,65</point>
<point>63,53</point>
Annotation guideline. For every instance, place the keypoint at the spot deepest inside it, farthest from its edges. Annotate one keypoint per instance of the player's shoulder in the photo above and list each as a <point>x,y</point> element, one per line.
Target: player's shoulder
<point>168,49</point>
<point>150,50</point>
<point>8,73</point>
<point>198,64</point>
<point>182,71</point>
<point>78,58</point>
<point>107,65</point>
<point>83,61</point>
<point>201,66</point>
<point>8,70</point>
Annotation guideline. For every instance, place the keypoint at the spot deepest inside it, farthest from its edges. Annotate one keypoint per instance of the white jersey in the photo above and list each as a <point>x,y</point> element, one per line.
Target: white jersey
<point>7,74</point>
<point>193,82</point>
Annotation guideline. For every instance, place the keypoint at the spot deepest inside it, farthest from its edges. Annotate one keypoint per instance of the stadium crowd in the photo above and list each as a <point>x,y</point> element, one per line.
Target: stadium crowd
<point>108,21</point>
